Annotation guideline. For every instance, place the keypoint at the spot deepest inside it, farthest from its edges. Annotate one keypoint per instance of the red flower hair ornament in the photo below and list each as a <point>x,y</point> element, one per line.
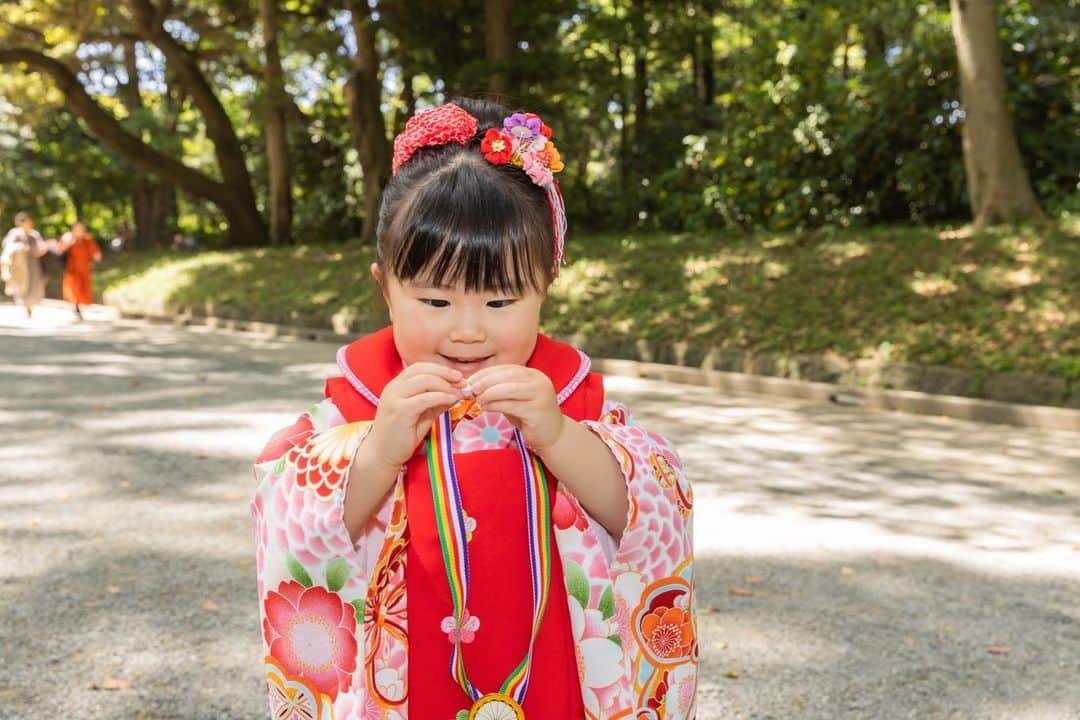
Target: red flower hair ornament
<point>524,141</point>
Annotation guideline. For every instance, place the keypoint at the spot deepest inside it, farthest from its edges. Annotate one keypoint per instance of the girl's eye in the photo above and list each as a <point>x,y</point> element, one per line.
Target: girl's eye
<point>434,302</point>
<point>500,303</point>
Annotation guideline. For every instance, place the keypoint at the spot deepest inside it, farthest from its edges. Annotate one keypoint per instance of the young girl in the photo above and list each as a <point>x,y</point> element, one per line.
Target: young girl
<point>465,527</point>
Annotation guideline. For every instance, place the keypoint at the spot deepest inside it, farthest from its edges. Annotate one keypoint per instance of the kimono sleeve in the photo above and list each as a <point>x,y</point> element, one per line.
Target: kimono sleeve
<point>306,562</point>
<point>651,568</point>
<point>658,538</point>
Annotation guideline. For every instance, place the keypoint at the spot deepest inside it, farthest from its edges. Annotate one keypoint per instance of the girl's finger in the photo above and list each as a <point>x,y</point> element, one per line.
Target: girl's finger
<point>491,376</point>
<point>429,368</point>
<point>514,410</point>
<point>418,405</point>
<point>413,386</point>
<point>507,391</point>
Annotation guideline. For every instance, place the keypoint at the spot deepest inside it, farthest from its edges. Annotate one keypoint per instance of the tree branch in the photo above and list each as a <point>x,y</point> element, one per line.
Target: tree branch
<point>35,34</point>
<point>108,129</point>
<point>219,128</point>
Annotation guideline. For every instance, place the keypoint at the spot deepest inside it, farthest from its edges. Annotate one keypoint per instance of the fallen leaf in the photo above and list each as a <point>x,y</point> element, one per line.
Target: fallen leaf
<point>113,589</point>
<point>731,675</point>
<point>111,683</point>
<point>209,605</point>
<point>202,456</point>
<point>1000,649</point>
<point>847,570</point>
<point>711,609</point>
<point>755,579</point>
<point>233,496</point>
<point>742,592</point>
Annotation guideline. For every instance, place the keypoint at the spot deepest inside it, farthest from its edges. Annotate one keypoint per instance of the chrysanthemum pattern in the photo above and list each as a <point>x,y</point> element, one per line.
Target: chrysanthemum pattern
<point>322,460</point>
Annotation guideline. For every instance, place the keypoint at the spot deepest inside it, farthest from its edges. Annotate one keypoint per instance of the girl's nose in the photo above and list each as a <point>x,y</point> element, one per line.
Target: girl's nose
<point>467,329</point>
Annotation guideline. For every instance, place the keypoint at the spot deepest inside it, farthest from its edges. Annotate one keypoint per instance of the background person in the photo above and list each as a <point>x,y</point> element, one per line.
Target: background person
<point>82,252</point>
<point>20,263</point>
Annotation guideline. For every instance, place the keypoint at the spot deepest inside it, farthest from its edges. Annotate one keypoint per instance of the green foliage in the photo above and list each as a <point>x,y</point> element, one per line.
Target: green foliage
<point>37,175</point>
<point>1000,300</point>
<point>809,139</point>
<point>838,112</point>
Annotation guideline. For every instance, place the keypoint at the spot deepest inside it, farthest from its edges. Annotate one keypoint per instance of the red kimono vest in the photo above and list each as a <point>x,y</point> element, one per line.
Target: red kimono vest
<point>493,493</point>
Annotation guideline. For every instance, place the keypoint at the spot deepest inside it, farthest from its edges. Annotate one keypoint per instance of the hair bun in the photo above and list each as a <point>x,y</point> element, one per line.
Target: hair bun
<point>438,126</point>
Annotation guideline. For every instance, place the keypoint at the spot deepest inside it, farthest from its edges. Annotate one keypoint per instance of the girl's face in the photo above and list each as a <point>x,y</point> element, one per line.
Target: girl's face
<point>463,330</point>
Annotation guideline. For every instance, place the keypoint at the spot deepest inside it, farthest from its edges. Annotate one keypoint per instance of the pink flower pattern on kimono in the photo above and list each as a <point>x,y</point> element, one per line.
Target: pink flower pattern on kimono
<point>262,538</point>
<point>466,630</point>
<point>600,659</point>
<point>311,632</point>
<point>308,528</point>
<point>488,431</point>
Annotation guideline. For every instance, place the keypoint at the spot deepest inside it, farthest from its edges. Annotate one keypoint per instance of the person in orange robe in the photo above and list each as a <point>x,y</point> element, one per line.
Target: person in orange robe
<point>82,252</point>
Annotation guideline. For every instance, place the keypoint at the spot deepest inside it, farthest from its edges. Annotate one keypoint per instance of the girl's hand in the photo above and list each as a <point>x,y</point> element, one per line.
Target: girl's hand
<point>408,405</point>
<point>526,397</point>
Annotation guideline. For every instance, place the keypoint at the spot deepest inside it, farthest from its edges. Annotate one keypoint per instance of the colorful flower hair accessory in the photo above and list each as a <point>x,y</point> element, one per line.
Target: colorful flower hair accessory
<point>524,142</point>
<point>441,125</point>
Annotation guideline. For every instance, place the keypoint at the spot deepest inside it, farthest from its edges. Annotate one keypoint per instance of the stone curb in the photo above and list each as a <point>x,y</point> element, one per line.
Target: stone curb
<point>842,392</point>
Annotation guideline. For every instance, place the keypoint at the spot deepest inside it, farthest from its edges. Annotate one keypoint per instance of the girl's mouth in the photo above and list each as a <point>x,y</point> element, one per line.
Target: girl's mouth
<point>465,365</point>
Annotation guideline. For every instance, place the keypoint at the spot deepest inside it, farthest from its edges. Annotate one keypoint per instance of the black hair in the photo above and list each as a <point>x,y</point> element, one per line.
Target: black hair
<point>448,215</point>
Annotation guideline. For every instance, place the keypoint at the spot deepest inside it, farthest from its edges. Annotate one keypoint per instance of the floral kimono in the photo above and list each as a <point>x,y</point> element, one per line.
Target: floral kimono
<point>335,614</point>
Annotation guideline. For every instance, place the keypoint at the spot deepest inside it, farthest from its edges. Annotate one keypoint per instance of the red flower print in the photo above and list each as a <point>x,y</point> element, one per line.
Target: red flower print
<point>564,514</point>
<point>497,146</point>
<point>311,632</point>
<point>322,460</point>
<point>286,439</point>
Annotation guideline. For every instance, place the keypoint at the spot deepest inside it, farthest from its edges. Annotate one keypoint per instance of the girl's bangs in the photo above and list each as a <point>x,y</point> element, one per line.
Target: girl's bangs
<point>472,233</point>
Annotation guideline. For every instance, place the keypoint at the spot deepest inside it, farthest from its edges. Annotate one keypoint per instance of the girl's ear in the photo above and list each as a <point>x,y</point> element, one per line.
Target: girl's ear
<point>377,273</point>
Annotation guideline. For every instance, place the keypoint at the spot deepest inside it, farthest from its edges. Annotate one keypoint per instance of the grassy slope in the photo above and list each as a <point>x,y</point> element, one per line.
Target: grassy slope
<point>1002,300</point>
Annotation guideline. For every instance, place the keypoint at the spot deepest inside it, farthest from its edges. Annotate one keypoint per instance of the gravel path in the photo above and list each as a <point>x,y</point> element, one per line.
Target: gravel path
<point>851,564</point>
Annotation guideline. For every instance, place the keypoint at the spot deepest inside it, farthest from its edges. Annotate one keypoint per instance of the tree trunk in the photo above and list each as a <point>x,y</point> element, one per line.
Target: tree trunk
<point>998,185</point>
<point>499,44</point>
<point>408,99</point>
<point>277,145</point>
<point>245,224</point>
<point>624,120</point>
<point>363,94</point>
<point>874,41</point>
<point>227,147</point>
<point>705,75</point>
<point>150,204</point>
<point>708,66</point>
<point>641,81</point>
